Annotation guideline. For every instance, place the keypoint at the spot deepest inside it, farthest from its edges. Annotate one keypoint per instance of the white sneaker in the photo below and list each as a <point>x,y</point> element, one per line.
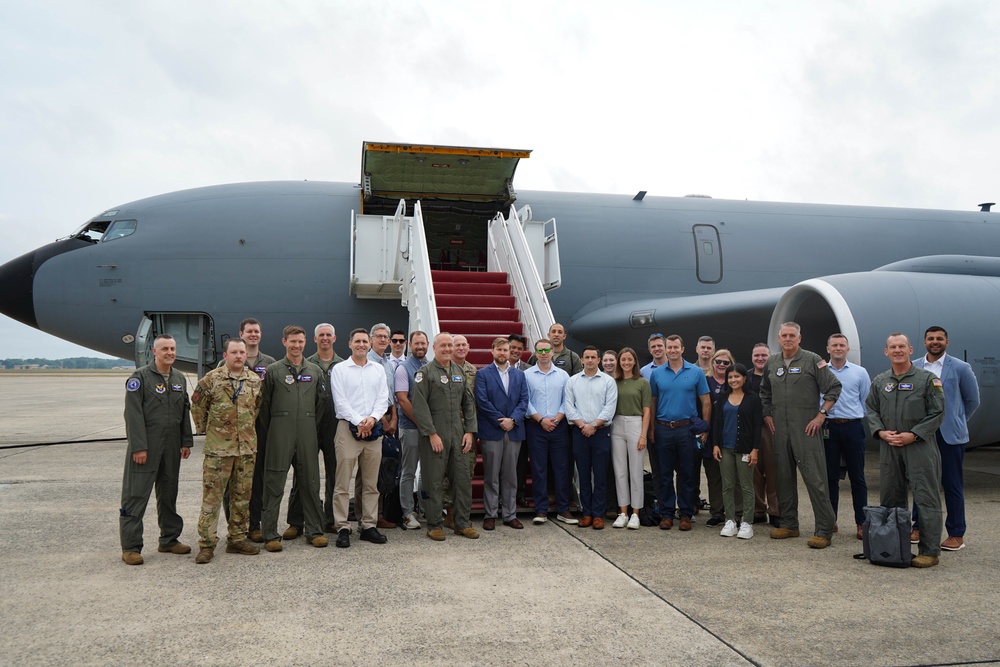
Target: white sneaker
<point>746,531</point>
<point>620,521</point>
<point>729,529</point>
<point>410,522</point>
<point>633,522</point>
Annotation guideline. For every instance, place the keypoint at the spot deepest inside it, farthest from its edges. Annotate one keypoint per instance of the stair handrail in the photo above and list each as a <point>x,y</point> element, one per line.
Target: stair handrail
<point>418,287</point>
<point>509,252</point>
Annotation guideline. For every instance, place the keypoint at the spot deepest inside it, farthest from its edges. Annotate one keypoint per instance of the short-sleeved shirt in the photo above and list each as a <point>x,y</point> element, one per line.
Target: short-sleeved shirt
<point>676,395</point>
<point>634,394</point>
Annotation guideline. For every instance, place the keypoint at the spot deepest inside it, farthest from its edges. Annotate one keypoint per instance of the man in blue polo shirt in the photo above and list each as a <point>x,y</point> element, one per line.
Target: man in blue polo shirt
<point>844,428</point>
<point>677,388</point>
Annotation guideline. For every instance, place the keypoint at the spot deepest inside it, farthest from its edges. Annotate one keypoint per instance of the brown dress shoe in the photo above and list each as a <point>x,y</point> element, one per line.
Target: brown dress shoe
<point>914,536</point>
<point>384,524</point>
<point>598,523</point>
<point>666,524</point>
<point>860,535</point>
<point>514,523</point>
<point>685,523</point>
<point>291,533</point>
<point>586,522</point>
<point>489,524</point>
<point>953,543</point>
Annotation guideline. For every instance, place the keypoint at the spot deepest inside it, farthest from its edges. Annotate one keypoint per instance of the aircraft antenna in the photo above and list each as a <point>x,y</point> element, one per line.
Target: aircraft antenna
<point>985,208</point>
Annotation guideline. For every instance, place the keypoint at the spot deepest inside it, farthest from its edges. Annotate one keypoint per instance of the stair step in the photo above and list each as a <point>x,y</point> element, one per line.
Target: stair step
<point>469,276</point>
<point>485,327</point>
<point>500,289</point>
<point>477,314</point>
<point>473,301</point>
<point>479,358</point>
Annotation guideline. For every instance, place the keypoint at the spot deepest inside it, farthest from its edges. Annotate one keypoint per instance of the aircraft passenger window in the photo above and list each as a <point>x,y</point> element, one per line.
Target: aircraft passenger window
<point>707,249</point>
<point>120,228</point>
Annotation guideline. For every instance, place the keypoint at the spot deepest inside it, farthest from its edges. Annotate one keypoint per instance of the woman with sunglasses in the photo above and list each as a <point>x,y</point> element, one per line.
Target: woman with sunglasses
<point>737,418</point>
<point>628,436</point>
<point>722,360</point>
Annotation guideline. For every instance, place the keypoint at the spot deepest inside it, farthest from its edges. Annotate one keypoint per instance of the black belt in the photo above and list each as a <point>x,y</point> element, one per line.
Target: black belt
<point>842,421</point>
<point>677,424</point>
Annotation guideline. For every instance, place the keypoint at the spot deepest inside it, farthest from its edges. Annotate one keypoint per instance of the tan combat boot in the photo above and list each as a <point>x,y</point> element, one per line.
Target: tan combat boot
<point>204,555</point>
<point>132,558</point>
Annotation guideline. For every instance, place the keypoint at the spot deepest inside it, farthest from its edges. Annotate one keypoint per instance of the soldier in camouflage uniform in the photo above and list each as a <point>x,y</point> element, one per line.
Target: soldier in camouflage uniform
<point>158,428</point>
<point>224,408</point>
<point>446,417</point>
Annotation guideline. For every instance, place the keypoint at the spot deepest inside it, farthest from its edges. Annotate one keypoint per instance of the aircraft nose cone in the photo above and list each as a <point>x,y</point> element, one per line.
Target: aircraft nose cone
<point>16,295</point>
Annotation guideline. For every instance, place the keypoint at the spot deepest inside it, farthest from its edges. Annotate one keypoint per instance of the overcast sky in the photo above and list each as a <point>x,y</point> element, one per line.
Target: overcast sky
<point>887,103</point>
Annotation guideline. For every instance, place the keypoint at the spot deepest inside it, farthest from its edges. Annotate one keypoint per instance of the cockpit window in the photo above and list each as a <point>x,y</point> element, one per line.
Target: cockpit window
<point>120,228</point>
<point>105,230</point>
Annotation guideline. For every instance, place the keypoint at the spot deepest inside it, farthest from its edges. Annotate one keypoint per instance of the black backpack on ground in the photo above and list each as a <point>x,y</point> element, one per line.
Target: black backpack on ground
<point>885,536</point>
<point>388,488</point>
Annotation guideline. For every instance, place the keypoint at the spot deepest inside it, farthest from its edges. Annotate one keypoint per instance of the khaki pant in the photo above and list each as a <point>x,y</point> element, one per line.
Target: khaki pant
<point>368,456</point>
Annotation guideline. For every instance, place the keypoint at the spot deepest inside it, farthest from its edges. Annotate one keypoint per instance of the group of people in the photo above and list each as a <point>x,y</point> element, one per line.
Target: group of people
<point>750,429</point>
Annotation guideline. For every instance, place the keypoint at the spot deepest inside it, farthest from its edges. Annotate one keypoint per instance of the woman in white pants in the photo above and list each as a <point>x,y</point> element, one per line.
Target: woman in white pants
<point>628,436</point>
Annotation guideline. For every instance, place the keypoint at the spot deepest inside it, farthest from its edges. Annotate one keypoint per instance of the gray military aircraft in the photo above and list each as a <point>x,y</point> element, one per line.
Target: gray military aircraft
<point>417,242</point>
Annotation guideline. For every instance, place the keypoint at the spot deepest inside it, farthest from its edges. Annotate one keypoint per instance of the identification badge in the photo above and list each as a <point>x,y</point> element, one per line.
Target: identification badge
<point>305,378</point>
<point>289,379</point>
<point>889,388</point>
<point>160,389</point>
<point>133,384</point>
<point>906,386</point>
<point>779,372</point>
<point>794,369</point>
<point>826,434</point>
<point>177,387</point>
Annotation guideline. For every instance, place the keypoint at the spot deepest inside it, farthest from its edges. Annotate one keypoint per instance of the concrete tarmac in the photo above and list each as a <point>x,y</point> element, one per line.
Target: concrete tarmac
<point>548,594</point>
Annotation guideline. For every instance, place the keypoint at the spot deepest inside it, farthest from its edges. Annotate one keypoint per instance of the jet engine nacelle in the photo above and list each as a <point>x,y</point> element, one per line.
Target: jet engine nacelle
<point>867,307</point>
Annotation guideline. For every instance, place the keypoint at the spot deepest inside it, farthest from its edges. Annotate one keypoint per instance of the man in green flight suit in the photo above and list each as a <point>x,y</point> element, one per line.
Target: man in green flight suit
<point>905,408</point>
<point>224,407</point>
<point>446,417</point>
<point>158,428</point>
<point>793,381</point>
<point>324,335</point>
<point>295,397</point>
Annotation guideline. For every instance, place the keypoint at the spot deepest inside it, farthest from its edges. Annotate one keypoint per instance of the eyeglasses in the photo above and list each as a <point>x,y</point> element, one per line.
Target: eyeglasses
<point>398,341</point>
<point>543,350</point>
<point>722,362</point>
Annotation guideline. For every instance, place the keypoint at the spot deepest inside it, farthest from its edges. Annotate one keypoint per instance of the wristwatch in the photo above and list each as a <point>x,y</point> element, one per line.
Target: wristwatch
<point>823,412</point>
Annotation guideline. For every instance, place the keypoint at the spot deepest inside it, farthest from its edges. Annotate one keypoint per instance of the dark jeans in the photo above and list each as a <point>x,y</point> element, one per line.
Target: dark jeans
<point>953,483</point>
<point>847,441</point>
<point>675,447</point>
<point>546,446</point>
<point>592,457</point>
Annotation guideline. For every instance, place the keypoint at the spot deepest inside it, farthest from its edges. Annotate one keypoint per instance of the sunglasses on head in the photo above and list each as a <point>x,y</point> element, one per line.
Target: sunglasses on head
<point>655,336</point>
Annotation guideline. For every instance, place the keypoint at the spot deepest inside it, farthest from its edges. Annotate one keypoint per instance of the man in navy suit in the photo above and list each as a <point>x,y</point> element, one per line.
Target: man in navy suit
<point>961,398</point>
<point>502,401</point>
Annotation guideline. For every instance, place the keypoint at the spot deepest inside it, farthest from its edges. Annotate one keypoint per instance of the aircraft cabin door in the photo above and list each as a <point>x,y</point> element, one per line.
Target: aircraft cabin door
<point>708,253</point>
<point>194,334</point>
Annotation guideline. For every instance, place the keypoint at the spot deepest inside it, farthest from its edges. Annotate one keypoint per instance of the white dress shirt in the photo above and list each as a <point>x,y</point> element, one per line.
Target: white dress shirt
<point>359,392</point>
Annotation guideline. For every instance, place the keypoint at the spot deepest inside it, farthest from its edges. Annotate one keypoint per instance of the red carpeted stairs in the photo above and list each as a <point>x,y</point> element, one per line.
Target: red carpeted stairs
<point>479,306</point>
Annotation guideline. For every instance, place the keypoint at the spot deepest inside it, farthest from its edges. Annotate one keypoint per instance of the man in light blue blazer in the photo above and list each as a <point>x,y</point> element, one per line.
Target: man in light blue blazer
<point>961,398</point>
<point>501,401</point>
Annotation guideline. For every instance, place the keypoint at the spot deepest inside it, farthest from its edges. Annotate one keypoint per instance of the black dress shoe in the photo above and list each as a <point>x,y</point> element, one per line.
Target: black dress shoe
<point>343,538</point>
<point>715,521</point>
<point>372,535</point>
<point>775,521</point>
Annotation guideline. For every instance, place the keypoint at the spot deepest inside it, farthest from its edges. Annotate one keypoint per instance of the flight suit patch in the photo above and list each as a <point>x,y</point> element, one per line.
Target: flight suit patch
<point>160,389</point>
<point>444,379</point>
<point>456,378</point>
<point>261,371</point>
<point>177,387</point>
<point>889,388</point>
<point>906,386</point>
<point>821,364</point>
<point>289,379</point>
<point>418,376</point>
<point>133,384</point>
<point>779,372</point>
<point>794,369</point>
<point>305,378</point>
